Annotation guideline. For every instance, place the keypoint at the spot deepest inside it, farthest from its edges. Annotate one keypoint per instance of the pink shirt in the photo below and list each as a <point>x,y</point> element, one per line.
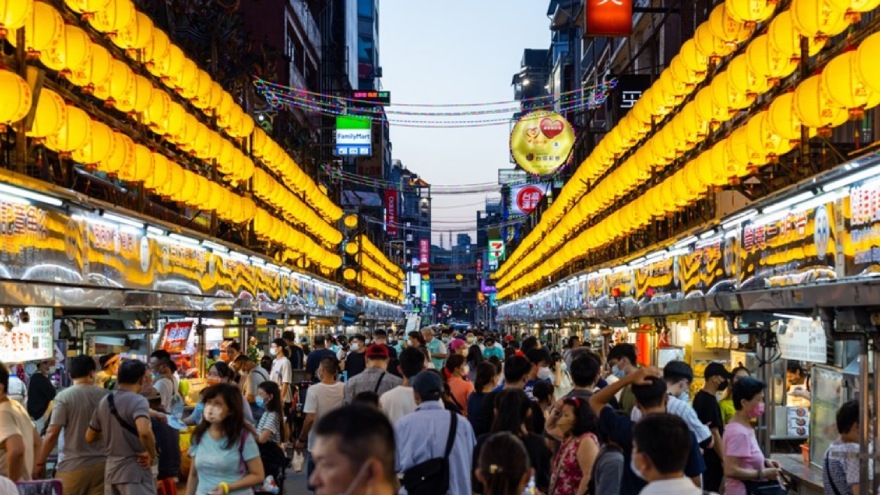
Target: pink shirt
<point>740,441</point>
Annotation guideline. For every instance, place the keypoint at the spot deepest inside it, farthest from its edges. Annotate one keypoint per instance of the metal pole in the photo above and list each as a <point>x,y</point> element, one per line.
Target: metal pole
<point>865,486</point>
<point>766,376</point>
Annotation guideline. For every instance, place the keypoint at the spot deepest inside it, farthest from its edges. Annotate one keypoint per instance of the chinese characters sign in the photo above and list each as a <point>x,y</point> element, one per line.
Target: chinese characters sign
<point>609,17</point>
<point>524,199</point>
<point>424,251</point>
<point>30,339</point>
<point>391,212</point>
<point>541,142</point>
<point>175,336</point>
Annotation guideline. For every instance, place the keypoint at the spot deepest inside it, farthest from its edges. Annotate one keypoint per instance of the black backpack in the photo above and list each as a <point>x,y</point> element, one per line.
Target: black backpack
<point>432,476</point>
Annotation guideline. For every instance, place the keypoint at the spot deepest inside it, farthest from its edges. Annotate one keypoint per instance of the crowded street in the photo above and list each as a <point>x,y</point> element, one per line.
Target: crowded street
<point>493,247</point>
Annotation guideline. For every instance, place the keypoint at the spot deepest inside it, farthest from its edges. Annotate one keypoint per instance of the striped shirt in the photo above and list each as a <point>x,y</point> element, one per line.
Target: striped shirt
<point>270,421</point>
<point>683,410</point>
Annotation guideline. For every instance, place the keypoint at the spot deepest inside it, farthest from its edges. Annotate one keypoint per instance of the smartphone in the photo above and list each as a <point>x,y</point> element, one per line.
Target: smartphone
<point>530,488</point>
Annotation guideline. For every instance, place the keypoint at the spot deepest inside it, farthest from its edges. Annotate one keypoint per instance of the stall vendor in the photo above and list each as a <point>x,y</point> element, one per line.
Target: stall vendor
<point>106,378</point>
<point>798,394</point>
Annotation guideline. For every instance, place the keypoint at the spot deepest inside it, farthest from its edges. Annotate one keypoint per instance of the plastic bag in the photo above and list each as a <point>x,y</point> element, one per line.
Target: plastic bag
<point>299,461</point>
<point>269,485</point>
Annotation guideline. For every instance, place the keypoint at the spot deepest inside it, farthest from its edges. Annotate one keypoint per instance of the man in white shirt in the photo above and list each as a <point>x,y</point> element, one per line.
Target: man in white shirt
<point>281,373</point>
<point>661,443</point>
<point>678,376</point>
<point>321,398</point>
<point>399,401</point>
<point>17,434</point>
<point>164,381</point>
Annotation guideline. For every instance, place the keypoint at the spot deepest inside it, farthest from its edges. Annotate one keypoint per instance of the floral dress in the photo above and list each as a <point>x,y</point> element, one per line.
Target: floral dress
<point>567,473</point>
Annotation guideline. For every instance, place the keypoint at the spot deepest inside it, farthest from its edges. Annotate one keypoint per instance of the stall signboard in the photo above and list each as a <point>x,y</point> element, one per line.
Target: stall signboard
<point>541,142</point>
<point>30,338</point>
<point>621,280</point>
<point>656,278</point>
<point>596,288</point>
<point>496,253</point>
<point>175,335</point>
<point>802,340</point>
<point>862,240</point>
<point>704,269</point>
<point>799,248</point>
<point>524,199</point>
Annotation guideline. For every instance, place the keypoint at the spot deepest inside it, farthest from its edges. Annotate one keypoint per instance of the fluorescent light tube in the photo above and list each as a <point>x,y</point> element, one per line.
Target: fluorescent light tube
<point>687,241</point>
<point>708,241</point>
<point>707,234</point>
<point>738,219</point>
<point>768,219</point>
<point>850,179</point>
<point>217,248</point>
<point>655,254</point>
<point>785,203</point>
<point>238,256</point>
<point>820,200</point>
<point>16,200</point>
<point>26,194</point>
<point>123,220</point>
<point>155,231</point>
<point>185,240</point>
<point>257,261</point>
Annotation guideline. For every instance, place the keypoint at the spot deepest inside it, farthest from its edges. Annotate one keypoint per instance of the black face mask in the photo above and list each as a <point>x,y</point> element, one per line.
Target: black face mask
<point>723,386</point>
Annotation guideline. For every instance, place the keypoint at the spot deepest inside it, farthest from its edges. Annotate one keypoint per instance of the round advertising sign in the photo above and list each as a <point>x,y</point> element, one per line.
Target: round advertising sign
<point>541,142</point>
<point>527,199</point>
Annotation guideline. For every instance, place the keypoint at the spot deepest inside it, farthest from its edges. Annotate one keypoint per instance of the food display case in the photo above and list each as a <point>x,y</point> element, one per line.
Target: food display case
<point>829,391</point>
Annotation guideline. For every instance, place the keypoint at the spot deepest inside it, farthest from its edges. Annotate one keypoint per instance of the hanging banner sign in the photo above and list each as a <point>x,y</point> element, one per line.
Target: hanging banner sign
<point>496,252</point>
<point>391,212</point>
<point>862,242</point>
<point>424,251</point>
<point>524,199</point>
<point>802,340</point>
<point>541,142</point>
<point>656,278</point>
<point>175,336</point>
<point>609,18</point>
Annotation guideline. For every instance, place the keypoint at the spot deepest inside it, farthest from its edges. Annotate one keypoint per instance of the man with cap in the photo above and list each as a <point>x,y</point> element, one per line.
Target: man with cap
<point>707,408</point>
<point>423,434</point>
<point>375,378</point>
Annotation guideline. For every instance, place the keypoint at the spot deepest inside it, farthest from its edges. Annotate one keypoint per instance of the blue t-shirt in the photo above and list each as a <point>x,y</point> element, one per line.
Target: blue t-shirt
<point>217,462</point>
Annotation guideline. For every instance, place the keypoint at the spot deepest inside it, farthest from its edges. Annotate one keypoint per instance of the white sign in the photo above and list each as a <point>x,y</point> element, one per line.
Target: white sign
<point>354,142</point>
<point>802,340</point>
<point>30,338</point>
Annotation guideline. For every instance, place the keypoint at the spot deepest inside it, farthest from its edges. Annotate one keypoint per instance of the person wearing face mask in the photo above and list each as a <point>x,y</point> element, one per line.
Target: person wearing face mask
<point>706,405</point>
<point>660,447</point>
<point>354,453</point>
<point>282,373</point>
<point>122,421</point>
<point>651,398</point>
<point>81,469</point>
<point>226,459</point>
<point>540,360</point>
<point>744,463</point>
<point>321,398</point>
<point>251,378</point>
<point>41,394</point>
<point>678,376</point>
<point>271,429</point>
<point>220,372</point>
<point>316,356</point>
<point>355,361</point>
<point>622,359</point>
<point>436,348</point>
<point>165,382</point>
<point>459,388</point>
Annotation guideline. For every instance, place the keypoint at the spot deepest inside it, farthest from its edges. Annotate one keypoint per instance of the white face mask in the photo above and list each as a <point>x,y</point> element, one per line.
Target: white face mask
<point>52,370</point>
<point>685,396</point>
<point>465,370</point>
<point>635,470</point>
<point>354,347</point>
<point>544,373</point>
<point>213,414</point>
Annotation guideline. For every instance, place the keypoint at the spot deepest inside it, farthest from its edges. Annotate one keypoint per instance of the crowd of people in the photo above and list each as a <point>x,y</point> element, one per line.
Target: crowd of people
<point>435,412</point>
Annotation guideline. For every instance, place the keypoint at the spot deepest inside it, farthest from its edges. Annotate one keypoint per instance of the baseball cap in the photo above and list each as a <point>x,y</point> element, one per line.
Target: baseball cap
<point>377,351</point>
<point>427,384</point>
<point>508,338</point>
<point>716,369</point>
<point>456,343</point>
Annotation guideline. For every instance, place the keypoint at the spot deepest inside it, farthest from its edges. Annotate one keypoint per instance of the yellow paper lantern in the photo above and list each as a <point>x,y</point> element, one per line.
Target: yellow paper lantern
<point>96,72</point>
<point>70,53</point>
<point>854,7</point>
<point>785,39</point>
<point>866,62</point>
<point>815,108</point>
<point>140,167</point>
<point>187,83</point>
<point>123,152</point>
<point>844,86</point>
<point>726,28</point>
<point>743,80</point>
<point>711,47</point>
<point>762,141</point>
<point>692,58</point>
<point>740,158</point>
<point>157,111</point>
<point>817,18</point>
<point>86,6</point>
<point>160,172</point>
<point>50,115</point>
<point>119,85</point>
<point>706,108</point>
<point>782,119</point>
<point>172,69</point>
<point>750,11</point>
<point>15,97</point>
<point>115,16</point>
<point>725,96</point>
<point>673,86</point>
<point>13,14</point>
<point>203,90</point>
<point>99,148</point>
<point>74,133</point>
<point>42,29</point>
<point>216,96</point>
<point>142,94</point>
<point>766,62</point>
<point>157,51</point>
<point>137,34</point>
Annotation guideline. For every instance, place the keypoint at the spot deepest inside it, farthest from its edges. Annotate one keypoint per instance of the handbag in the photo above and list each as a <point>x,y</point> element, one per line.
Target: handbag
<point>431,477</point>
<point>764,488</point>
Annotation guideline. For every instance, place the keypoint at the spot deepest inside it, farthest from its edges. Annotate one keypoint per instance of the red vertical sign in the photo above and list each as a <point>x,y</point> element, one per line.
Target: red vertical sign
<point>391,212</point>
<point>609,17</point>
<point>175,336</point>
<point>424,251</point>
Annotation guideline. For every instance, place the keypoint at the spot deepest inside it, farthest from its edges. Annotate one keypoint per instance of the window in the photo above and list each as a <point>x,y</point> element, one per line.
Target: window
<point>365,9</point>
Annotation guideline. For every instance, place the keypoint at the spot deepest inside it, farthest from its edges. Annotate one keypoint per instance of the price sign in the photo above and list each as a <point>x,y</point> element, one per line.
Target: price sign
<point>175,336</point>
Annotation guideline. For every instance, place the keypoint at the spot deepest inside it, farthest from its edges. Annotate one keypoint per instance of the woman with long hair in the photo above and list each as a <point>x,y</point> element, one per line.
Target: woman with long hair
<point>220,372</point>
<point>513,410</point>
<point>503,467</point>
<point>474,358</point>
<point>271,429</point>
<point>573,423</point>
<point>485,379</point>
<point>226,460</point>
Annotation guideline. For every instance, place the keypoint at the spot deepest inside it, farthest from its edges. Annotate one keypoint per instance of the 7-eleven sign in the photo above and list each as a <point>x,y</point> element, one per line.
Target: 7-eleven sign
<point>496,252</point>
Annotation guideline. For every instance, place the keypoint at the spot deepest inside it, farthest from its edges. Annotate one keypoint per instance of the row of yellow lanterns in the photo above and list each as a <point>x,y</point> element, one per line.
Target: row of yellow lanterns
<point>848,85</point>
<point>270,228</point>
<point>272,192</point>
<point>768,58</point>
<point>370,282</point>
<point>69,50</point>
<point>367,263</point>
<point>377,254</point>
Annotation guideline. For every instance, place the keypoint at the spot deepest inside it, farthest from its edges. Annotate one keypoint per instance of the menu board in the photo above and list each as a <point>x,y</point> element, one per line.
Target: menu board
<point>29,338</point>
<point>175,335</point>
<point>862,242</point>
<point>797,249</point>
<point>802,340</point>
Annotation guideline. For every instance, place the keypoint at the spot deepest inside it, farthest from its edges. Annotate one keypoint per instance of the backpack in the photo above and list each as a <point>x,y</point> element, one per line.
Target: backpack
<point>431,477</point>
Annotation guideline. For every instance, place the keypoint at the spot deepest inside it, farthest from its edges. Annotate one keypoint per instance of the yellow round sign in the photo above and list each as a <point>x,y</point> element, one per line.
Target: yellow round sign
<point>541,142</point>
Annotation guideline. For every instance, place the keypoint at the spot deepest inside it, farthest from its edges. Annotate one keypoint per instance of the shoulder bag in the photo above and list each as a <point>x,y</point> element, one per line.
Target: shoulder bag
<point>432,476</point>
